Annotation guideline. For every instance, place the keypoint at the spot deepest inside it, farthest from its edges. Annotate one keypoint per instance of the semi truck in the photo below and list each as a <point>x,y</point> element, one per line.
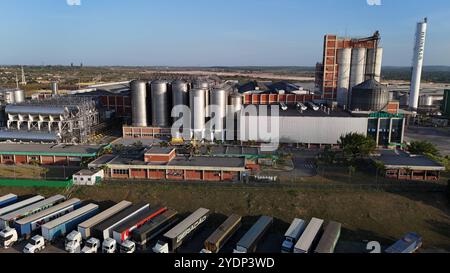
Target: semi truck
<point>21,204</point>
<point>410,243</point>
<point>249,242</point>
<point>73,242</point>
<point>7,200</point>
<point>122,232</point>
<point>26,226</point>
<point>330,238</point>
<point>85,227</point>
<point>176,236</point>
<point>9,219</point>
<point>104,230</point>
<point>141,236</point>
<point>68,222</point>
<point>308,237</point>
<point>292,235</point>
<point>222,234</point>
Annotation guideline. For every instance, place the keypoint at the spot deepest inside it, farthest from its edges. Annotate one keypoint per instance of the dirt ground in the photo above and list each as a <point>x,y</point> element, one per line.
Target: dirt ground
<point>365,215</point>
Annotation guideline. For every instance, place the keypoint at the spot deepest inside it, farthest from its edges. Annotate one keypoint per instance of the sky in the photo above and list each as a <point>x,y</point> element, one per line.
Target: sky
<point>212,32</point>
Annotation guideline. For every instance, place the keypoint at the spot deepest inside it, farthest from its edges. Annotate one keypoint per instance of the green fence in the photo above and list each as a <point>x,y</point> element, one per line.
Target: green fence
<point>35,183</point>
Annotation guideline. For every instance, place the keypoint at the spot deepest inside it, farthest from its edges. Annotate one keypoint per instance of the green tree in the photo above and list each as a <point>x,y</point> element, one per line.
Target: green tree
<point>356,145</point>
<point>423,148</point>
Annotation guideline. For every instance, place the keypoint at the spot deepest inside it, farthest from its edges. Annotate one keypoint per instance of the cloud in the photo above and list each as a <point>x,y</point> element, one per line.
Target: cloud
<point>73,2</point>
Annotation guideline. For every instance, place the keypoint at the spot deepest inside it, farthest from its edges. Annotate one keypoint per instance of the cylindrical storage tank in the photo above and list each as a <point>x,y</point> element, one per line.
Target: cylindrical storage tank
<point>357,69</point>
<point>234,111</point>
<point>218,112</point>
<point>369,96</point>
<point>160,104</point>
<point>54,88</point>
<point>426,101</point>
<point>198,113</point>
<point>19,96</point>
<point>203,84</point>
<point>9,97</point>
<point>419,51</point>
<point>180,93</point>
<point>373,63</point>
<point>344,58</point>
<point>392,96</point>
<point>139,103</point>
<point>404,100</point>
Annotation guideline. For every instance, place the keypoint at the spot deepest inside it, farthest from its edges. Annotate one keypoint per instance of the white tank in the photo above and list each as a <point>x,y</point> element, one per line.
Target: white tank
<point>373,63</point>
<point>426,100</point>
<point>198,113</point>
<point>419,50</point>
<point>19,96</point>
<point>138,103</point>
<point>344,58</point>
<point>219,102</point>
<point>357,70</point>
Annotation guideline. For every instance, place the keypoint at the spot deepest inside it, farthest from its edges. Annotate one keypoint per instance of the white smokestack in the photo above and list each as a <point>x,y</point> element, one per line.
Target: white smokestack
<point>419,50</point>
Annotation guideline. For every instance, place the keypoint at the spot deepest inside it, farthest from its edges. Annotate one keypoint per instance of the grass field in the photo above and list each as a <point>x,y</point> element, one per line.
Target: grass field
<point>366,215</point>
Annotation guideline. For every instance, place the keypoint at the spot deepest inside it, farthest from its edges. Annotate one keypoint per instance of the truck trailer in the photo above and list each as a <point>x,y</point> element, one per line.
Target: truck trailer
<point>153,228</point>
<point>104,230</point>
<point>9,219</point>
<point>250,240</point>
<point>292,235</point>
<point>7,200</point>
<point>122,232</point>
<point>222,234</point>
<point>85,227</point>
<point>330,238</point>
<point>175,237</point>
<point>308,237</point>
<point>21,204</point>
<point>68,222</point>
<point>410,243</point>
<point>26,226</point>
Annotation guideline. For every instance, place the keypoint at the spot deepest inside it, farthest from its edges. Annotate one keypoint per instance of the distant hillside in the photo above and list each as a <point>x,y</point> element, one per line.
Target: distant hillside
<point>437,74</point>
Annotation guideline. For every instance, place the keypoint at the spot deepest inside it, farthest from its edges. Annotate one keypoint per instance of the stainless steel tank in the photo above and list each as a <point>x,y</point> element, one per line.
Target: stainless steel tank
<point>180,93</point>
<point>160,103</point>
<point>54,87</point>
<point>198,113</point>
<point>234,113</point>
<point>357,70</point>
<point>218,112</point>
<point>203,84</point>
<point>139,103</point>
<point>19,96</point>
<point>426,101</point>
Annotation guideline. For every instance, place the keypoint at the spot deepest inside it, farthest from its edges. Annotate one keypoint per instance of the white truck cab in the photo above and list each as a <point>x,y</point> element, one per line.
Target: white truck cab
<point>127,247</point>
<point>73,242</point>
<point>203,251</point>
<point>8,237</point>
<point>92,246</point>
<point>161,247</point>
<point>109,246</point>
<point>36,244</point>
<point>239,250</point>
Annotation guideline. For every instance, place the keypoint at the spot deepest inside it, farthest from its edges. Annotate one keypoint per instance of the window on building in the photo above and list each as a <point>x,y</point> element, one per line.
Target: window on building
<point>121,172</point>
<point>7,157</point>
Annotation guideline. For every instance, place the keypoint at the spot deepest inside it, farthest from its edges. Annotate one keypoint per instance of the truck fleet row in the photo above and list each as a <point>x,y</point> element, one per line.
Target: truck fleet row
<point>126,227</point>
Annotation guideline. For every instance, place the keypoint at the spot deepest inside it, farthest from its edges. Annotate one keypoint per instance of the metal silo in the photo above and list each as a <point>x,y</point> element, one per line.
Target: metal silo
<point>54,87</point>
<point>344,58</point>
<point>19,96</point>
<point>203,84</point>
<point>357,68</point>
<point>218,109</point>
<point>139,103</point>
<point>160,103</point>
<point>180,93</point>
<point>373,63</point>
<point>234,113</point>
<point>426,101</point>
<point>369,96</point>
<point>198,113</point>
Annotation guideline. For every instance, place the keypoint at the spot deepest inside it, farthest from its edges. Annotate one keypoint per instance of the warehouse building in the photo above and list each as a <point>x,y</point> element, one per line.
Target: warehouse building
<point>326,126</point>
<point>47,154</point>
<point>163,164</point>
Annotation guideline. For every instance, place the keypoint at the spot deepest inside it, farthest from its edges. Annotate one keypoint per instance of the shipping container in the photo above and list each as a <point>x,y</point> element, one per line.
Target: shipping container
<point>410,243</point>
<point>330,238</point>
<point>185,229</point>
<point>26,226</point>
<point>308,237</point>
<point>68,222</point>
<point>122,232</point>
<point>153,228</point>
<point>21,204</point>
<point>85,227</point>
<point>104,230</point>
<point>7,200</point>
<point>249,242</point>
<point>8,220</point>
<point>222,234</point>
